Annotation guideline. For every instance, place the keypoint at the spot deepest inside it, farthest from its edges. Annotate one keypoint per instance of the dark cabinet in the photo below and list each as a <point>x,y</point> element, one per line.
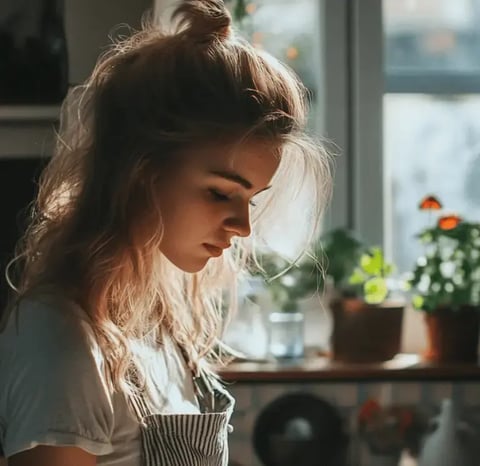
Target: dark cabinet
<point>33,52</point>
<point>18,185</point>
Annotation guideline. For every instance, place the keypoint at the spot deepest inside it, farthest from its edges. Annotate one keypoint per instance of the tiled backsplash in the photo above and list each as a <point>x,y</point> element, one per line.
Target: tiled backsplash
<point>346,397</point>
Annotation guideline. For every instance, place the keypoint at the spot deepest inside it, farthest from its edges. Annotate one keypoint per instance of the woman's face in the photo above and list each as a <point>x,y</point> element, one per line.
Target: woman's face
<point>206,199</point>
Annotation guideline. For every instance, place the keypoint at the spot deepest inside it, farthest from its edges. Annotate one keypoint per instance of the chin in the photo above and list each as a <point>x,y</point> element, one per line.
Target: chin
<point>189,266</point>
<point>194,268</point>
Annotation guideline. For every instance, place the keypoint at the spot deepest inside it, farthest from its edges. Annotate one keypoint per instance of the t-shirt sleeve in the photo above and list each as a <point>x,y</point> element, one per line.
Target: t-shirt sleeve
<point>52,388</point>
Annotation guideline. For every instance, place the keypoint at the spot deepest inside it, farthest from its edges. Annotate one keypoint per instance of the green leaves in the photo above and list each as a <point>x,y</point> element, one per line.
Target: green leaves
<point>417,301</point>
<point>373,263</point>
<point>446,274</point>
<point>354,270</point>
<point>293,282</point>
<point>357,277</point>
<point>239,10</point>
<point>343,251</point>
<point>375,290</point>
<point>371,275</point>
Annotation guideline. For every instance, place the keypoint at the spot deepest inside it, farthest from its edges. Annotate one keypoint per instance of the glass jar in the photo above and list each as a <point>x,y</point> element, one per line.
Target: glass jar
<point>286,335</point>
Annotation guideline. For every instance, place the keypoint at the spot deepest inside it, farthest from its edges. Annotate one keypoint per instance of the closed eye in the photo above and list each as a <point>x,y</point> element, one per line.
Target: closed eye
<point>220,197</point>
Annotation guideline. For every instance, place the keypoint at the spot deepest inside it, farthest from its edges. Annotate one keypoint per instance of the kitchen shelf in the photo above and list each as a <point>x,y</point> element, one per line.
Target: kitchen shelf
<point>29,113</point>
<point>404,367</point>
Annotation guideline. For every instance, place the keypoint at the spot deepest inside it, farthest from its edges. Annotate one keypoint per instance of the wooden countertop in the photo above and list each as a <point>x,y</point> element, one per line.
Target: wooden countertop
<point>404,367</point>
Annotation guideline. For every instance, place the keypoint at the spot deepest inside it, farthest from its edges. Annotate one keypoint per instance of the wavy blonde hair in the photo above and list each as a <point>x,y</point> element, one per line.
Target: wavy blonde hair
<point>96,227</point>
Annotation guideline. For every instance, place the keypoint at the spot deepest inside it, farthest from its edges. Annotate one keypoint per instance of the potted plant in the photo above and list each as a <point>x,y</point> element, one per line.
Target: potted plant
<point>446,284</point>
<point>342,251</point>
<point>367,322</point>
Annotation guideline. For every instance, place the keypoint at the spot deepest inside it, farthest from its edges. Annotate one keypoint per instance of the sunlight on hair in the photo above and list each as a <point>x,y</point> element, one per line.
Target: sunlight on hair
<point>97,225</point>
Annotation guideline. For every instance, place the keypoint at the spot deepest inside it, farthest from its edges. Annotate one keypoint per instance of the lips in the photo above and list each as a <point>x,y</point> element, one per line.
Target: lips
<point>215,250</point>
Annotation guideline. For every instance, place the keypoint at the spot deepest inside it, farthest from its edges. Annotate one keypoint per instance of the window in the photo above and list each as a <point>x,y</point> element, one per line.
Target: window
<point>288,30</point>
<point>431,115</point>
<point>412,121</point>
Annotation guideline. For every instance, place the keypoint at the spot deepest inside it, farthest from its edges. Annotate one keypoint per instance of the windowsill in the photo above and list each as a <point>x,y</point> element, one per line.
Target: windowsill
<point>404,367</point>
<point>27,131</point>
<point>29,113</point>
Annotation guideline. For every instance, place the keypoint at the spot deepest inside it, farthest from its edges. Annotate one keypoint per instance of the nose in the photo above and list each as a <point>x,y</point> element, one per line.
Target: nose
<point>239,223</point>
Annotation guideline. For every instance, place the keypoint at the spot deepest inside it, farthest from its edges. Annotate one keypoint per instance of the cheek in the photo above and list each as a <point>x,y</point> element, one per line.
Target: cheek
<point>191,212</point>
<point>193,217</point>
<point>203,205</point>
<point>208,212</point>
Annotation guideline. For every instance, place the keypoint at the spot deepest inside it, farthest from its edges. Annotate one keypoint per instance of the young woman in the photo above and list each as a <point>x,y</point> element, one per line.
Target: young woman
<point>173,160</point>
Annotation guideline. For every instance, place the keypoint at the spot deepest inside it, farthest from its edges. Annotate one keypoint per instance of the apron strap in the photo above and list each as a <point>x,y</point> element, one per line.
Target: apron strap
<point>137,400</point>
<point>211,396</point>
<point>202,385</point>
<point>204,390</point>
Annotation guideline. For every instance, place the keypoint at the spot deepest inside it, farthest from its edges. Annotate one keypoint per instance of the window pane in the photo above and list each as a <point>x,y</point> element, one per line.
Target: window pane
<point>431,140</point>
<point>435,35</point>
<point>432,145</point>
<point>287,30</point>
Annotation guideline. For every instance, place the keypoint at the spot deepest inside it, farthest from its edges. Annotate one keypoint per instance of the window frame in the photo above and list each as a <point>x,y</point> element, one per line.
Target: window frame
<point>353,100</point>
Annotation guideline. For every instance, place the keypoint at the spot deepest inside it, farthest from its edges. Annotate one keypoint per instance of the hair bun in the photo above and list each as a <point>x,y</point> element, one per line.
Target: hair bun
<point>203,20</point>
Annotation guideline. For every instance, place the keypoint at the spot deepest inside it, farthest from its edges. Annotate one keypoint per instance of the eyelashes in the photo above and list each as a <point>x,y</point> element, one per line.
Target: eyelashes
<point>220,197</point>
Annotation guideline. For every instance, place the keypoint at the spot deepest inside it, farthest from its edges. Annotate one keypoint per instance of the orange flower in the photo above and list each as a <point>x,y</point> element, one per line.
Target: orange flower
<point>251,8</point>
<point>406,420</point>
<point>449,222</point>
<point>292,53</point>
<point>257,37</point>
<point>368,408</point>
<point>430,203</point>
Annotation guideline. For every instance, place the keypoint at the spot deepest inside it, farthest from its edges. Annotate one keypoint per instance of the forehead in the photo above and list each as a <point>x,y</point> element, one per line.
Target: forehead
<point>253,159</point>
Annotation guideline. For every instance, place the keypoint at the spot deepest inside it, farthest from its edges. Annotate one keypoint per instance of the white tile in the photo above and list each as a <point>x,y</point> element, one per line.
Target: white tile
<point>471,393</point>
<point>241,453</point>
<point>343,395</point>
<point>409,393</point>
<point>266,393</point>
<point>243,395</point>
<point>244,424</point>
<point>437,391</point>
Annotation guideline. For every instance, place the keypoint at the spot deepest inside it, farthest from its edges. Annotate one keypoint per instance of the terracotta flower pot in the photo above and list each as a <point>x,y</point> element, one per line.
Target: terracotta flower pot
<point>365,332</point>
<point>453,335</point>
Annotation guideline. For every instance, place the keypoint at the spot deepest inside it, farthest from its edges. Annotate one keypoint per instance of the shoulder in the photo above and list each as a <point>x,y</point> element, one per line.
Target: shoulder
<point>52,389</point>
<point>50,336</point>
<point>46,322</point>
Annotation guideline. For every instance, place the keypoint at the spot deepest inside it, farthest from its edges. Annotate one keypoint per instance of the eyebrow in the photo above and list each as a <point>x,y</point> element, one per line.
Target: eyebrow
<point>236,178</point>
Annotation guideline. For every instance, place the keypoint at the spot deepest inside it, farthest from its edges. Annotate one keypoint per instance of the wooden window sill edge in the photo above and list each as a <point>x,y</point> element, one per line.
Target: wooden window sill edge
<point>404,367</point>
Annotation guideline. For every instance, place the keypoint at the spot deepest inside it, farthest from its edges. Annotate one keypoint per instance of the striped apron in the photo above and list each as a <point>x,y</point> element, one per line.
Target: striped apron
<point>188,439</point>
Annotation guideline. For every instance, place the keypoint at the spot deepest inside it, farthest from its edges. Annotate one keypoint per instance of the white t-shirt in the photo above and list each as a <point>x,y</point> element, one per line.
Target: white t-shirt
<point>53,392</point>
